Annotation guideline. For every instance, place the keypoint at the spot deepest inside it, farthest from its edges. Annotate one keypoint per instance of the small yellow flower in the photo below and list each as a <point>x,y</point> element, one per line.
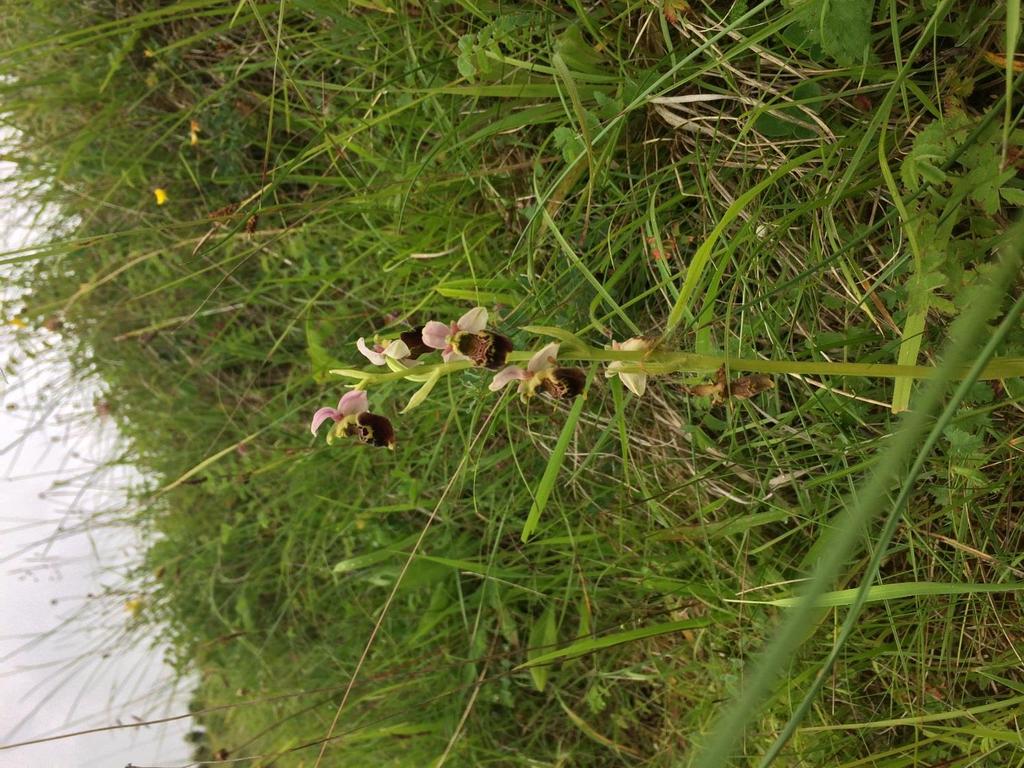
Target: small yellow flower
<point>133,607</point>
<point>161,195</point>
<point>193,132</point>
<point>17,322</point>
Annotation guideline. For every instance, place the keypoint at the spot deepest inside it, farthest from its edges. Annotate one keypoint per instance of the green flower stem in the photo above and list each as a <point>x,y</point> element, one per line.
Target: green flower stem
<point>416,373</point>
<point>662,363</point>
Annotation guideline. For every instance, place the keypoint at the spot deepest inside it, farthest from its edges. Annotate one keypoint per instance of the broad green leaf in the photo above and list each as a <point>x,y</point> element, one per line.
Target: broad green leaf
<point>842,27</point>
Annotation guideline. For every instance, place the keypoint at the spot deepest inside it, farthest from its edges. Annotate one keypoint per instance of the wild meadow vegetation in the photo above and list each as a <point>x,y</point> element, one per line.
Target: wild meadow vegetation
<point>808,191</point>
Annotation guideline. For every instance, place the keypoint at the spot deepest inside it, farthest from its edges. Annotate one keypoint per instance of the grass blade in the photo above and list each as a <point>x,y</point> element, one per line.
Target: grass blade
<point>881,592</point>
<point>547,481</point>
<point>592,644</point>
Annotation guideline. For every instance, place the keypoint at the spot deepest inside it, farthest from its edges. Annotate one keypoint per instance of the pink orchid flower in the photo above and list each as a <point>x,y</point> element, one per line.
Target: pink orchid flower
<point>408,346</point>
<point>468,339</point>
<point>396,349</point>
<point>352,417</point>
<point>635,382</point>
<point>542,372</point>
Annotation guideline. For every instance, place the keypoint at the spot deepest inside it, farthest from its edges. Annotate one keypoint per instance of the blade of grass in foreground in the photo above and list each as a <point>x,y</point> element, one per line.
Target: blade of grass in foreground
<point>1012,266</point>
<point>723,740</point>
<point>881,592</point>
<point>547,481</point>
<point>591,644</point>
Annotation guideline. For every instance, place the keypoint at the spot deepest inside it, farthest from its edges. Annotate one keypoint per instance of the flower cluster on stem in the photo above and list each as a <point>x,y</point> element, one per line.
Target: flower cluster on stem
<point>463,344</point>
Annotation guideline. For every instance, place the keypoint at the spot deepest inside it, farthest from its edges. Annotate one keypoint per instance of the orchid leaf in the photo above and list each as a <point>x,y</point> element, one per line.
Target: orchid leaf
<point>423,392</point>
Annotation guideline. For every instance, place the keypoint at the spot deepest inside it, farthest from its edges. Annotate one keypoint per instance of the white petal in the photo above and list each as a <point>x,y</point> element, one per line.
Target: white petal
<point>635,344</point>
<point>372,355</point>
<point>543,359</point>
<point>473,321</point>
<point>397,349</point>
<point>635,382</point>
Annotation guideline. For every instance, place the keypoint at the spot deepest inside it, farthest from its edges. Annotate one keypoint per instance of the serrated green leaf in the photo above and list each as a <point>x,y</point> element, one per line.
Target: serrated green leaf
<point>842,27</point>
<point>961,442</point>
<point>1013,196</point>
<point>464,63</point>
<point>930,173</point>
<point>568,143</point>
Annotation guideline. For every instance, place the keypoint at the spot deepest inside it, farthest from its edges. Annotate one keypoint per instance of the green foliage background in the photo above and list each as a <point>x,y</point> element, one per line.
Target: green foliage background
<point>366,166</point>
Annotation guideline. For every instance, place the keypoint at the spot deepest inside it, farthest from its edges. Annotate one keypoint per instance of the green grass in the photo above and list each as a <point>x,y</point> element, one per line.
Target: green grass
<point>789,188</point>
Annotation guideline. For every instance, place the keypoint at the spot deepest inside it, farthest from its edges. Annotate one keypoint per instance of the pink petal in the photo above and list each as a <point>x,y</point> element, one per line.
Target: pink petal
<point>353,403</point>
<point>372,355</point>
<point>543,359</point>
<point>322,415</point>
<point>435,335</point>
<point>473,321</point>
<point>506,375</point>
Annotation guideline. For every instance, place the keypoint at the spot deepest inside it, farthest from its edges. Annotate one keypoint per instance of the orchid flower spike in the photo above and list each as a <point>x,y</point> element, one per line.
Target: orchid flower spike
<point>542,373</point>
<point>635,382</point>
<point>408,346</point>
<point>352,417</point>
<point>468,339</point>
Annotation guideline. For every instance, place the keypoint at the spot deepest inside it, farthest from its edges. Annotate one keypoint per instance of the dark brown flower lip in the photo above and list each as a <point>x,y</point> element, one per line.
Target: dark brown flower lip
<point>485,348</point>
<point>564,383</point>
<point>372,429</point>
<point>414,341</point>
